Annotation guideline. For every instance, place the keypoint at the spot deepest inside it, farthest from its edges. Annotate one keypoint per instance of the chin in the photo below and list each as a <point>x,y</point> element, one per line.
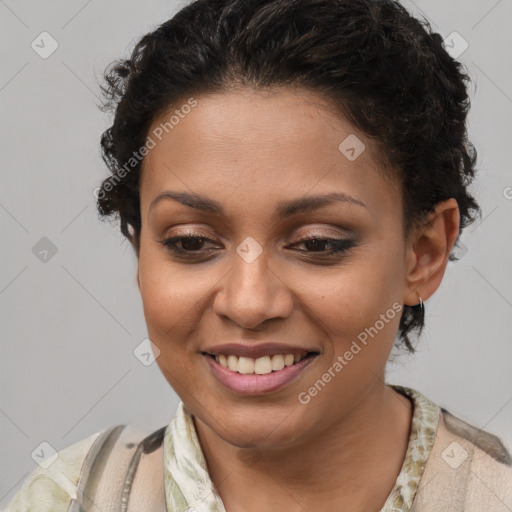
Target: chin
<point>263,438</point>
<point>259,427</point>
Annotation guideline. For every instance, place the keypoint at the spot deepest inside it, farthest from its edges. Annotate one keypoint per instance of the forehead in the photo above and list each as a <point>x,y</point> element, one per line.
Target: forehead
<point>243,144</point>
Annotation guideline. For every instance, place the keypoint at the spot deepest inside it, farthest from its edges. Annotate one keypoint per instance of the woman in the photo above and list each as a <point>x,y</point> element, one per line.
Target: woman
<point>293,177</point>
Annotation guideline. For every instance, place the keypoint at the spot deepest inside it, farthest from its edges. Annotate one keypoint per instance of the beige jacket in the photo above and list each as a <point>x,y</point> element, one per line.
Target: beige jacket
<point>468,470</point>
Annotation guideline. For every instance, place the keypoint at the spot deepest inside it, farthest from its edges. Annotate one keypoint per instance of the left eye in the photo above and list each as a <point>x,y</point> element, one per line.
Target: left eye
<point>316,243</point>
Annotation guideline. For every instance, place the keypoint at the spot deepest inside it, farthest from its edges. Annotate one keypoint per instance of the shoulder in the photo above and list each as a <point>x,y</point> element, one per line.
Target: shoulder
<point>51,488</point>
<point>489,447</point>
<point>489,464</point>
<point>100,469</point>
<point>467,469</point>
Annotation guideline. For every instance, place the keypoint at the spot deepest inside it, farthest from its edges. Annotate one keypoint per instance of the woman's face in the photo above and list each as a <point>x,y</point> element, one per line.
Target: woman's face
<point>256,282</point>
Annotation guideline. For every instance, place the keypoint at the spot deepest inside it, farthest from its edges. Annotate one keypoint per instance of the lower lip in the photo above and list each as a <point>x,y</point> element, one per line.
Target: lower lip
<point>252,384</point>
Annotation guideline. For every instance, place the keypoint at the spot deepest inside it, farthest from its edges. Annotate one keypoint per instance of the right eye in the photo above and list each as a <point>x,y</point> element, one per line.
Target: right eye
<point>191,245</point>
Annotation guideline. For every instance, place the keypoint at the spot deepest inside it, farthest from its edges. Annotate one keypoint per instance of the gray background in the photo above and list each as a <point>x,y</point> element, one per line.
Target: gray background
<point>70,324</point>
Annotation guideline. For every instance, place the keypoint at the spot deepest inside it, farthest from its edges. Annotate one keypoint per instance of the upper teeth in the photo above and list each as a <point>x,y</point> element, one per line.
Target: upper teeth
<point>261,365</point>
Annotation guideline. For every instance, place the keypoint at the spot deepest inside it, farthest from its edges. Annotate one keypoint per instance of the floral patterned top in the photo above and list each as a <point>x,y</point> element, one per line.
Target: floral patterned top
<point>188,486</point>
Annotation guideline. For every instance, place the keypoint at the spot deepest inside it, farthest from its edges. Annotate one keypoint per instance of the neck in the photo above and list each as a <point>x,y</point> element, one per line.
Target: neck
<point>354,462</point>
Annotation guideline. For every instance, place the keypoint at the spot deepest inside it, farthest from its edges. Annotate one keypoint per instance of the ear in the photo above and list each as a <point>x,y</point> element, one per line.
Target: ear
<point>427,252</point>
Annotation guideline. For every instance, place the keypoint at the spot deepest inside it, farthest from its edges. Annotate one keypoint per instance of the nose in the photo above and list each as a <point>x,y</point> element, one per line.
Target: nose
<point>252,293</point>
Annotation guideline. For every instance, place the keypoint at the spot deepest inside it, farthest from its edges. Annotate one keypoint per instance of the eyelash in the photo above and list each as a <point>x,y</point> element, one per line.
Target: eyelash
<point>340,245</point>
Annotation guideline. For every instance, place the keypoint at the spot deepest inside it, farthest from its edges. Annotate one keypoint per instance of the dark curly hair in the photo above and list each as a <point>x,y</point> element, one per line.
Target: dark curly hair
<point>383,69</point>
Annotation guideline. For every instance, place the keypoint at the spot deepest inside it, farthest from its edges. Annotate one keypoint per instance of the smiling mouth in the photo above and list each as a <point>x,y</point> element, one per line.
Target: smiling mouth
<point>259,366</point>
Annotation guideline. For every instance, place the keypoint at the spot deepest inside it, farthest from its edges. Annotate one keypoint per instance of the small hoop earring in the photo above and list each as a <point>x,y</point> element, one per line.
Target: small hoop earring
<point>420,305</point>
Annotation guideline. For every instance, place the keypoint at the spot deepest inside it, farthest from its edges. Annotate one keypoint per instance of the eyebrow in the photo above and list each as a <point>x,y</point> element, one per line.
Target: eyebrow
<point>284,209</point>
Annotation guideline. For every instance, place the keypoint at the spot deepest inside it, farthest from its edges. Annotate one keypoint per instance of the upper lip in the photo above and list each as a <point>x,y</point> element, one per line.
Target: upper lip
<point>255,351</point>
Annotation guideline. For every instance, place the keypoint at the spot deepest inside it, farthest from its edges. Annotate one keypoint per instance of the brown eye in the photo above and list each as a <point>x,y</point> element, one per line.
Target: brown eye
<point>190,244</point>
<point>317,244</point>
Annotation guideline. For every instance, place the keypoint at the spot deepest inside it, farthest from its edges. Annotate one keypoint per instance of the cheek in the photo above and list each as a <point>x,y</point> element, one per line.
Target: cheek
<point>355,296</point>
<point>359,301</point>
<point>168,292</point>
<point>168,299</point>
<point>170,302</point>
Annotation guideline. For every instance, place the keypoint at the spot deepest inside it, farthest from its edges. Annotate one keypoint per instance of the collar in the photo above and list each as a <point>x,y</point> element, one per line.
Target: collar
<point>188,487</point>
<point>424,425</point>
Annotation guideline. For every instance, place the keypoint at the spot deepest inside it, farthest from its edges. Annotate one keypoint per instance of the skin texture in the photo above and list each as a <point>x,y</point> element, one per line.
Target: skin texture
<point>250,150</point>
